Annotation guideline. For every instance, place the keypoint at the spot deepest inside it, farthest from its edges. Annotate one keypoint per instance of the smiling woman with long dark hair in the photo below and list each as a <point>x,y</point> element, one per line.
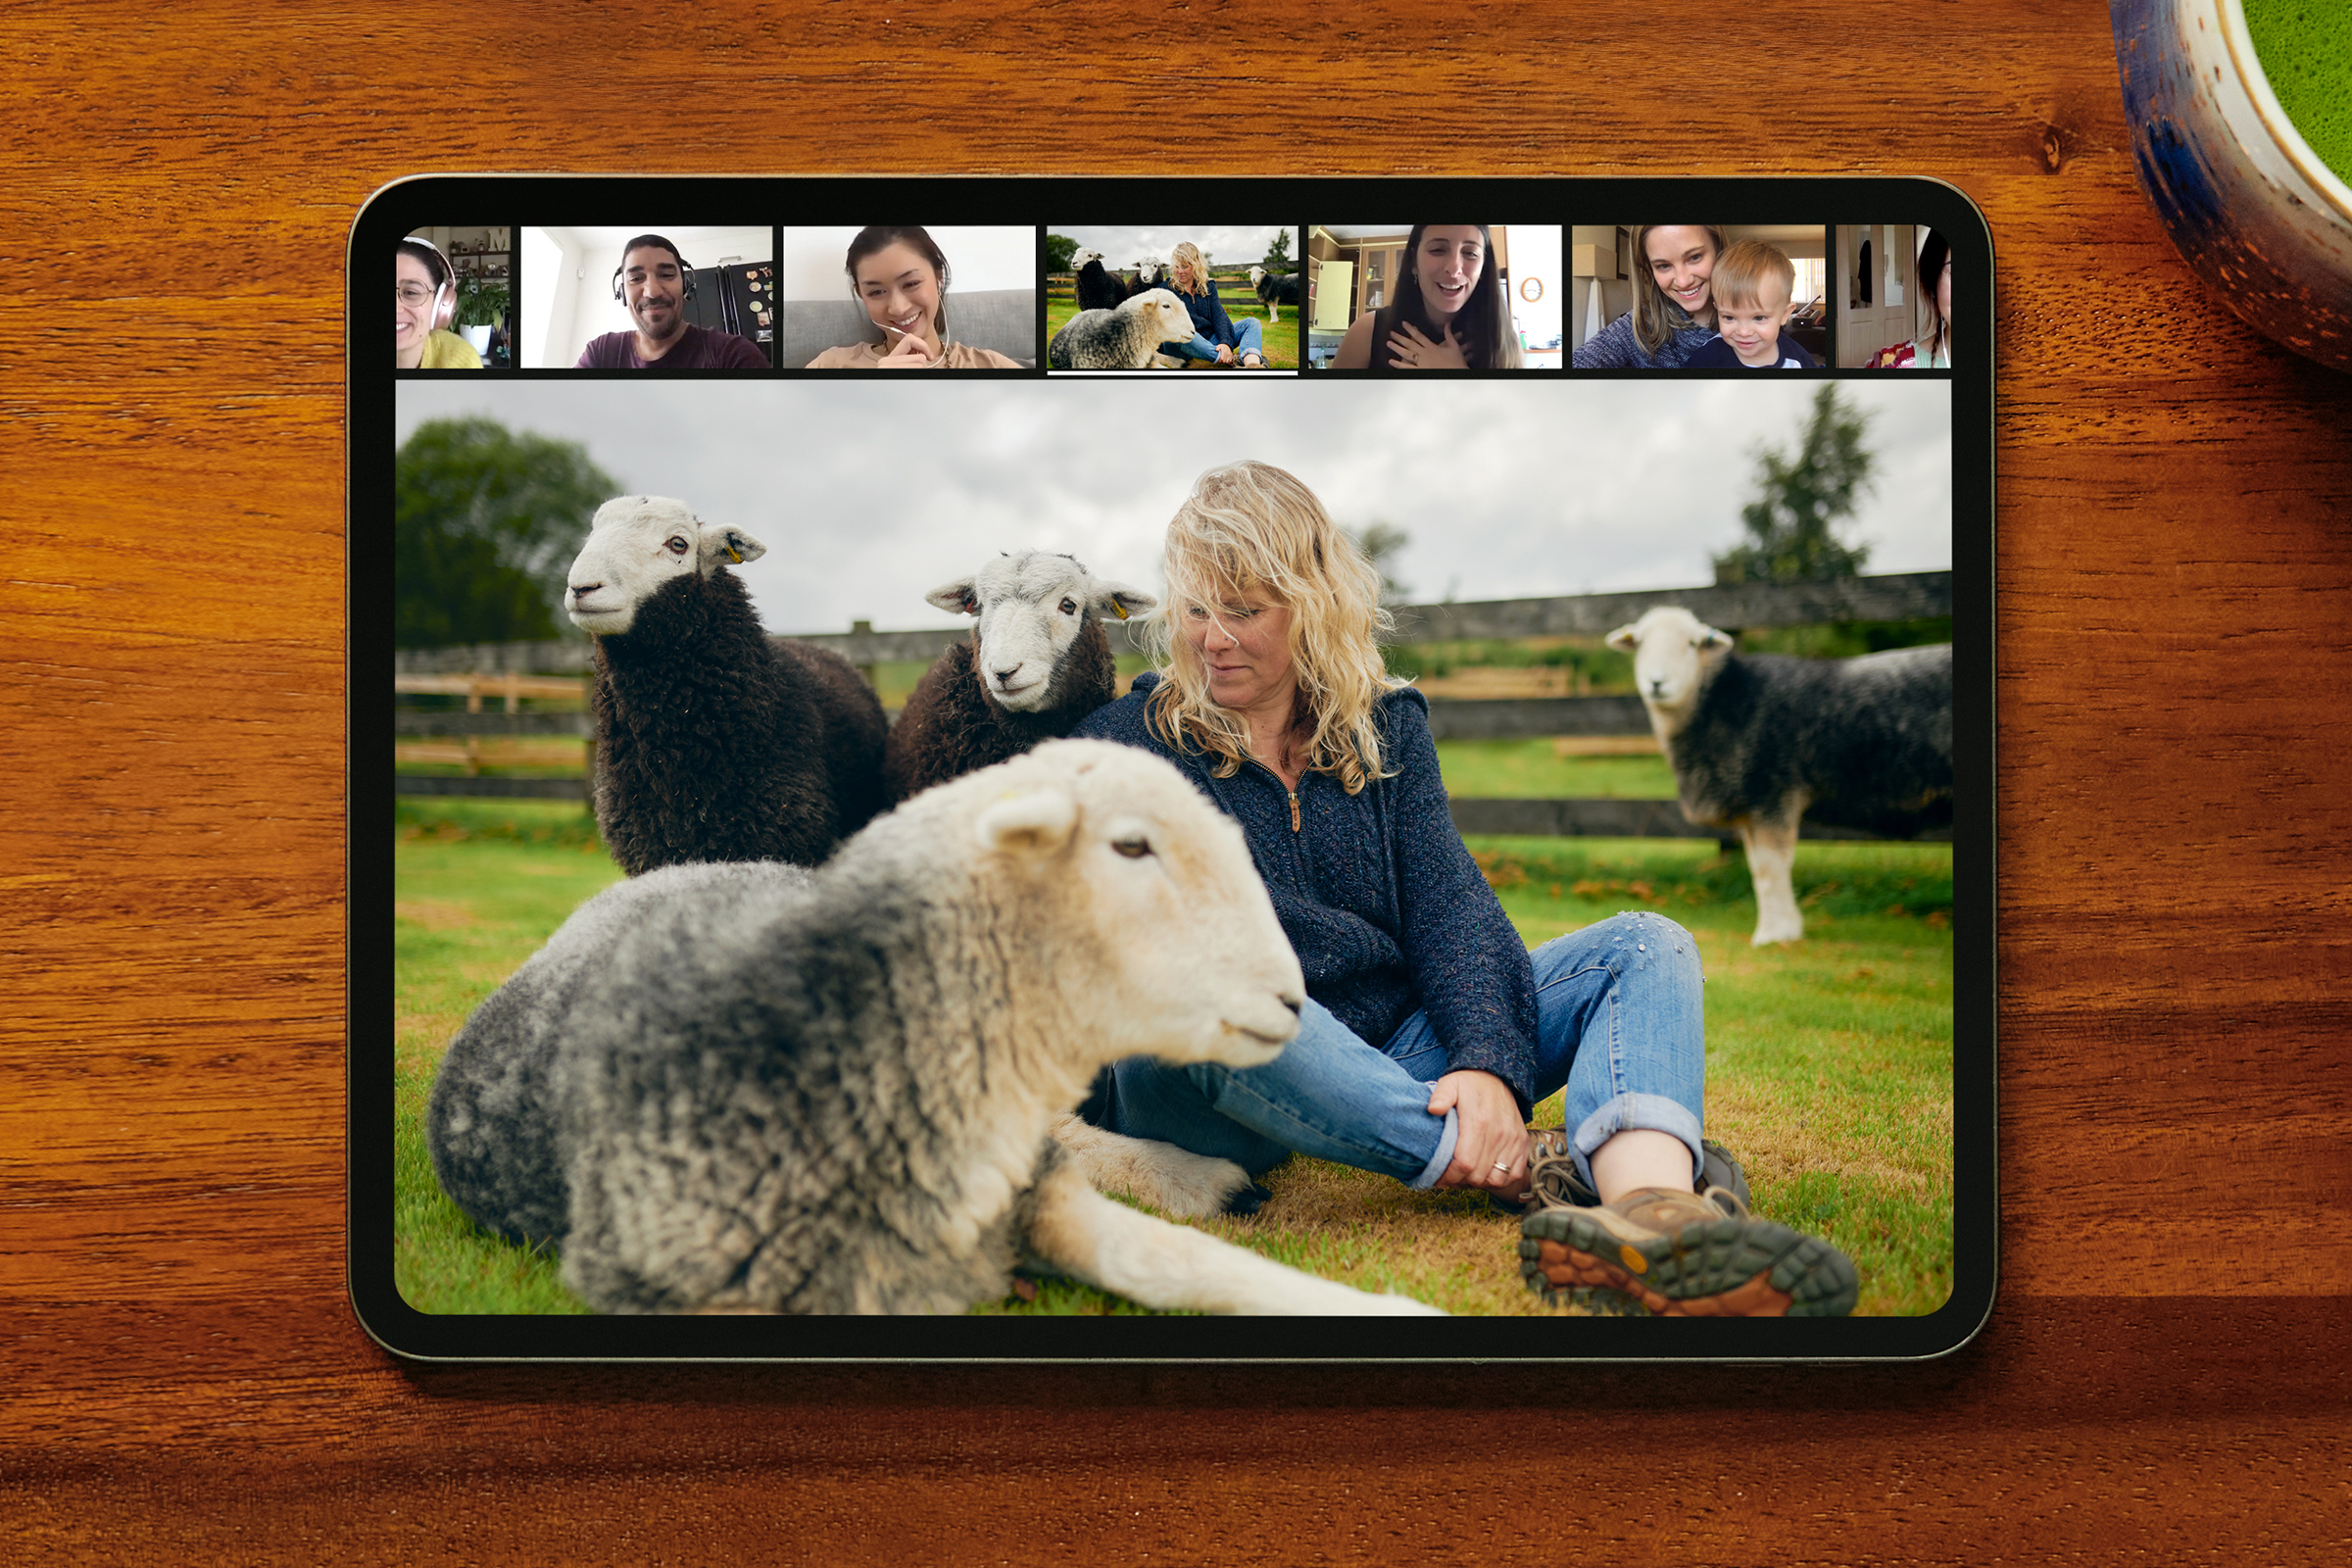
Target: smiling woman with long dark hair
<point>1447,312</point>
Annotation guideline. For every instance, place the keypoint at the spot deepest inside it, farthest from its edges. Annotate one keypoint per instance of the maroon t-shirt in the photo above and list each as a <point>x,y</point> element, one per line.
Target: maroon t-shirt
<point>695,350</point>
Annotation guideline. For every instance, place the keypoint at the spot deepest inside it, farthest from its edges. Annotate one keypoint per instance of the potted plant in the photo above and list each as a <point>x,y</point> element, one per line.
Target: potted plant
<point>481,306</point>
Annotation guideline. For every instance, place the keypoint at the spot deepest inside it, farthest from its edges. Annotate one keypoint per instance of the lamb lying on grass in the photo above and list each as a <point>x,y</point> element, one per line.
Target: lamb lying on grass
<point>754,1088</point>
<point>1124,339</point>
<point>714,742</point>
<point>1758,739</point>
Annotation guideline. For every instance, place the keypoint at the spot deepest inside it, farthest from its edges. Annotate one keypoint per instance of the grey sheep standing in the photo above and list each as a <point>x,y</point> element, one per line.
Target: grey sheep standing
<point>713,741</point>
<point>1758,740</point>
<point>1127,338</point>
<point>1036,663</point>
<point>757,1088</point>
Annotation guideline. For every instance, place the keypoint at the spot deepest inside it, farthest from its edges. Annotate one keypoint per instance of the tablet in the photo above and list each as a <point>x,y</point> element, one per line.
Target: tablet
<point>1683,539</point>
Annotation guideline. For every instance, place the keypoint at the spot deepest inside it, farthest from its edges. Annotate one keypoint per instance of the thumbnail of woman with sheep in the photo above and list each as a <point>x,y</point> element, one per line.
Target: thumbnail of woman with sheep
<point>1430,1031</point>
<point>1215,337</point>
<point>1448,313</point>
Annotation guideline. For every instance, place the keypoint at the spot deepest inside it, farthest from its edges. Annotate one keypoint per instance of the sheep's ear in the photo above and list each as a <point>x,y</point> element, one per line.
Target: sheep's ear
<point>728,547</point>
<point>1117,598</point>
<point>1624,640</point>
<point>1709,637</point>
<point>1034,821</point>
<point>958,598</point>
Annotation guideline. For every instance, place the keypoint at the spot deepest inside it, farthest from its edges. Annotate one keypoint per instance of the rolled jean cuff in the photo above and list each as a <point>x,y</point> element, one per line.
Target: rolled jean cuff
<point>1443,1156</point>
<point>1630,1112</point>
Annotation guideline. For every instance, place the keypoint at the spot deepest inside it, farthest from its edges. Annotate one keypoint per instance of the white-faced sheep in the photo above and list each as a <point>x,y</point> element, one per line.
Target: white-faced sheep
<point>1758,739</point>
<point>1036,663</point>
<point>714,742</point>
<point>1150,273</point>
<point>1124,339</point>
<point>1275,290</point>
<point>1096,287</point>
<point>757,1088</point>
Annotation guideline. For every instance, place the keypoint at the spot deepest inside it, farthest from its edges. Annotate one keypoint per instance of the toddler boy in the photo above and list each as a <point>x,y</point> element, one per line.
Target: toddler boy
<point>1751,287</point>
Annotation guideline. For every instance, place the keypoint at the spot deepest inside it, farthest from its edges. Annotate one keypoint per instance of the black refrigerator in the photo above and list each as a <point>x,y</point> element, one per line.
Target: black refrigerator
<point>739,299</point>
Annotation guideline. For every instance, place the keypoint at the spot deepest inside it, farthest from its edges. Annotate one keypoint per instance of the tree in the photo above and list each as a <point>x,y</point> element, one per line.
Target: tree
<point>1798,497</point>
<point>1278,253</point>
<point>1380,542</point>
<point>1060,252</point>
<point>485,525</point>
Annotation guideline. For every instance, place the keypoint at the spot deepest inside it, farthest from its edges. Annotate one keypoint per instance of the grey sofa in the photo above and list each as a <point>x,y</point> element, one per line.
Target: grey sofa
<point>1005,320</point>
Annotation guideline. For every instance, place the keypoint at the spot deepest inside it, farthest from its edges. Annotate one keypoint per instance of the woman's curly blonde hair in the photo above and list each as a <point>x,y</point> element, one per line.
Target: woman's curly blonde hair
<point>1253,527</point>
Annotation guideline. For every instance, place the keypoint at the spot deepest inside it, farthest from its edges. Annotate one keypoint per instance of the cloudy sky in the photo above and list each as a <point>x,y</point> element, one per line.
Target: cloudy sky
<point>1224,247</point>
<point>868,494</point>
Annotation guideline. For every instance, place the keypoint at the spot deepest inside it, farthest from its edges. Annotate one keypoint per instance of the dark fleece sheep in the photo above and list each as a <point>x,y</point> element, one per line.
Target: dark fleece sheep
<point>1758,740</point>
<point>956,721</point>
<point>714,742</point>
<point>1097,288</point>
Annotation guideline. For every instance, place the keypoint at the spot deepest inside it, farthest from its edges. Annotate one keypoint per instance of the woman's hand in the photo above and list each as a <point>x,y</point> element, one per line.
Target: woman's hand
<point>1410,348</point>
<point>1224,355</point>
<point>1489,1146</point>
<point>910,353</point>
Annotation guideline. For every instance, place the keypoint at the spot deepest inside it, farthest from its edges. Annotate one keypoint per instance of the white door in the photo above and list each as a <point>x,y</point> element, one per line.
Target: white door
<point>1867,325</point>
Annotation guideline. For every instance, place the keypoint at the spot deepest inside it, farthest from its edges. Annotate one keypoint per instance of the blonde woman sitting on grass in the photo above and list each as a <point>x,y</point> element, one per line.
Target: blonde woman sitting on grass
<point>1428,1032</point>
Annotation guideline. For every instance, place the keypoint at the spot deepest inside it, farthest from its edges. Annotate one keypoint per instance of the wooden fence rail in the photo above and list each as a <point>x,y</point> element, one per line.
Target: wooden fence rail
<point>1449,718</point>
<point>497,670</point>
<point>1900,596</point>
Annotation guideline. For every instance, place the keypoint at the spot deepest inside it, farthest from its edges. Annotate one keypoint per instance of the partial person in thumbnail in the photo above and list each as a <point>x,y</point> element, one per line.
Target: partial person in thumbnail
<point>1217,338</point>
<point>1449,311</point>
<point>654,281</point>
<point>428,299</point>
<point>1674,311</point>
<point>899,276</point>
<point>1755,285</point>
<point>1933,350</point>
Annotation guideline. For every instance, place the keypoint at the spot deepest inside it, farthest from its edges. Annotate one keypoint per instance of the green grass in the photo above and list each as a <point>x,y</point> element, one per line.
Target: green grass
<point>478,886</point>
<point>1279,339</point>
<point>1527,769</point>
<point>1829,1062</point>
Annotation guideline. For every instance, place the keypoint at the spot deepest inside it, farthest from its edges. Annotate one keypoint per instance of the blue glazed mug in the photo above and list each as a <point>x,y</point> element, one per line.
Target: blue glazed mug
<point>2250,207</point>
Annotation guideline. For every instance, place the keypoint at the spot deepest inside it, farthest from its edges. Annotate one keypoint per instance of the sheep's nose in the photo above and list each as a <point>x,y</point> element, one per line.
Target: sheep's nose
<point>1004,675</point>
<point>582,589</point>
<point>1291,1004</point>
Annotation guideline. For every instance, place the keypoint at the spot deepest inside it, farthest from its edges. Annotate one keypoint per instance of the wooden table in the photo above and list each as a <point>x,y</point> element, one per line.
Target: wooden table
<point>2165,1377</point>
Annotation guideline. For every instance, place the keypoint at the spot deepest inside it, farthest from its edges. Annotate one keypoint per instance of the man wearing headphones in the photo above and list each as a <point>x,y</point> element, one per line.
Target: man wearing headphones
<point>653,282</point>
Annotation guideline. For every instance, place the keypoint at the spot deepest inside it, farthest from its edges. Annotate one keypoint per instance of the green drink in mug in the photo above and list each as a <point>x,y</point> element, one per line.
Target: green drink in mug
<point>2306,50</point>
<point>2255,198</point>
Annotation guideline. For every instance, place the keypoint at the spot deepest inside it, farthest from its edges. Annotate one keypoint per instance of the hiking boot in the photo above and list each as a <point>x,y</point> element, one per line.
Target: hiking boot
<point>1555,1182</point>
<point>1681,1254</point>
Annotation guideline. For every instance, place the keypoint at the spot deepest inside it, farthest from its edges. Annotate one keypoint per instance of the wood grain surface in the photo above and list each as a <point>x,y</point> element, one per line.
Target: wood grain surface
<point>180,1379</point>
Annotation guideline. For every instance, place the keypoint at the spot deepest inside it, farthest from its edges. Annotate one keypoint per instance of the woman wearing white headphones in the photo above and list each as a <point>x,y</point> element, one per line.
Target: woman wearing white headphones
<point>428,298</point>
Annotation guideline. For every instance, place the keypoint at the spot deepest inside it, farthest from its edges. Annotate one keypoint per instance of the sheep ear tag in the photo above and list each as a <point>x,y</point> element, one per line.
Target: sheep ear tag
<point>1121,608</point>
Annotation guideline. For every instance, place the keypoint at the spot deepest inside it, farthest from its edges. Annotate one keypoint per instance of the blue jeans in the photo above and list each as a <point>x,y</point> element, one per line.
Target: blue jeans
<point>1619,1020</point>
<point>1201,348</point>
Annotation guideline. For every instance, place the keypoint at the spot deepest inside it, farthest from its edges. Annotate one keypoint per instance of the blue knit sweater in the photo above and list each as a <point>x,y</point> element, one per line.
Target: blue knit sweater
<point>1386,909</point>
<point>1616,348</point>
<point>1208,313</point>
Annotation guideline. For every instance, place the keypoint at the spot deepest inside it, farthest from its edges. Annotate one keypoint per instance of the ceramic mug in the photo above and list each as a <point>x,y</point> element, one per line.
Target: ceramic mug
<point>2249,205</point>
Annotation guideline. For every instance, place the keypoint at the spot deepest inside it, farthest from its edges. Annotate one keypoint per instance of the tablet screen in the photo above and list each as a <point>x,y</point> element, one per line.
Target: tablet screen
<point>1627,591</point>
